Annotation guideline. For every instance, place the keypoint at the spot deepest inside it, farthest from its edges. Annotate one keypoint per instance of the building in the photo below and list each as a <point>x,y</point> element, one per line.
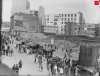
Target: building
<point>50,25</point>
<point>24,23</point>
<point>71,28</point>
<point>97,30</point>
<point>20,6</point>
<point>5,27</point>
<point>89,30</point>
<point>60,20</point>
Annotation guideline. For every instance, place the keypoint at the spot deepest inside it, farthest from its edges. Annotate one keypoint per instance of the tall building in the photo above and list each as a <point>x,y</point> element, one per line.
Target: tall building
<point>60,21</point>
<point>82,23</point>
<point>41,16</point>
<point>20,6</point>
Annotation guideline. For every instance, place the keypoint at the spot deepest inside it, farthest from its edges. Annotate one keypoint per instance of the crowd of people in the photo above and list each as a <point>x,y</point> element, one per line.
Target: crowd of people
<point>55,65</point>
<point>5,46</point>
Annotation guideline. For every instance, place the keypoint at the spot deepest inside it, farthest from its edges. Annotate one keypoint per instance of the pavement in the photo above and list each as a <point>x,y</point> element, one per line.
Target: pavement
<point>6,71</point>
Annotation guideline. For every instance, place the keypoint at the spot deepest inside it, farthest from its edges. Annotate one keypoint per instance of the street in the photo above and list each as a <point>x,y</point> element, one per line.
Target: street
<point>29,67</point>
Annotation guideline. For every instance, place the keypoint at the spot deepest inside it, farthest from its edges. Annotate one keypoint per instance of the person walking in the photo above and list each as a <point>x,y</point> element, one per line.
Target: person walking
<point>40,63</point>
<point>13,68</point>
<point>20,64</point>
<point>76,71</point>
<point>61,71</point>
<point>36,57</point>
<point>17,68</point>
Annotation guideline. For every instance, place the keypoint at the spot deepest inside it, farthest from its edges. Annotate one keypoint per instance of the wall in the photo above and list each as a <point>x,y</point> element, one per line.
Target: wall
<point>88,55</point>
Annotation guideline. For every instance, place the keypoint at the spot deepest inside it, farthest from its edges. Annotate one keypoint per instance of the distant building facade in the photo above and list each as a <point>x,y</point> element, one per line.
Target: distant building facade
<point>97,30</point>
<point>59,21</point>
<point>22,22</point>
<point>50,25</point>
<point>71,28</point>
<point>89,30</point>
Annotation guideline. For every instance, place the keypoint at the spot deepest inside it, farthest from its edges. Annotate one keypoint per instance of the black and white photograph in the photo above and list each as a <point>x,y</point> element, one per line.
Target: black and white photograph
<point>50,38</point>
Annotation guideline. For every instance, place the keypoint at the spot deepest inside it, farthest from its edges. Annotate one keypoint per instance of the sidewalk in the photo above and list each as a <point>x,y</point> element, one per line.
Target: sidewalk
<point>6,71</point>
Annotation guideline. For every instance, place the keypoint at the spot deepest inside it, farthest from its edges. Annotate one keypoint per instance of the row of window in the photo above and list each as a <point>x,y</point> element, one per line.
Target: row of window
<point>69,19</point>
<point>51,26</point>
<point>92,29</point>
<point>68,15</point>
<point>72,19</point>
<point>90,33</point>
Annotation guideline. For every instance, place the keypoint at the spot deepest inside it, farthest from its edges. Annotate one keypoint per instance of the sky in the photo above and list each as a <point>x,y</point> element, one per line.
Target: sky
<point>90,11</point>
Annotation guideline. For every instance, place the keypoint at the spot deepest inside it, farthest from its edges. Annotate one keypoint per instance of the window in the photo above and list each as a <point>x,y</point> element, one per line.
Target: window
<point>55,19</point>
<point>61,29</point>
<point>75,28</point>
<point>75,15</point>
<point>61,26</point>
<point>74,19</point>
<point>61,22</point>
<point>65,18</point>
<point>68,15</point>
<point>71,19</point>
<point>47,19</point>
<point>62,19</point>
<point>65,15</point>
<point>55,23</point>
<point>71,15</point>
